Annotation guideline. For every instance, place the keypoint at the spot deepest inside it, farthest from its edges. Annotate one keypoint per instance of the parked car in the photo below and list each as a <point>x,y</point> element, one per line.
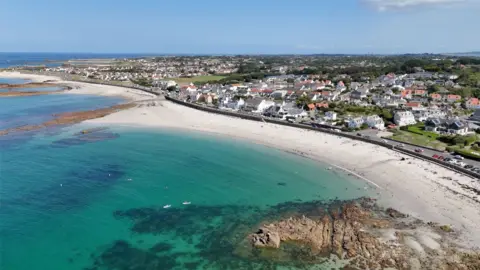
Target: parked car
<point>358,134</point>
<point>459,157</point>
<point>401,145</point>
<point>441,158</point>
<point>435,156</point>
<point>418,150</point>
<point>468,166</point>
<point>448,159</point>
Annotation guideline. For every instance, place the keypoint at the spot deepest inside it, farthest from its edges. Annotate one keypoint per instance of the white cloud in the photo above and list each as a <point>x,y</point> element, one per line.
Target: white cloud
<point>383,5</point>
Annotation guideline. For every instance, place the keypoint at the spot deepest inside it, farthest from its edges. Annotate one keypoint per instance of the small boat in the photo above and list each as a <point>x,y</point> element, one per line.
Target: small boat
<point>186,203</point>
<point>167,206</point>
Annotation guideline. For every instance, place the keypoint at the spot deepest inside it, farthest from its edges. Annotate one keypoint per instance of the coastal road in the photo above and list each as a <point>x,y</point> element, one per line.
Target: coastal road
<point>374,135</point>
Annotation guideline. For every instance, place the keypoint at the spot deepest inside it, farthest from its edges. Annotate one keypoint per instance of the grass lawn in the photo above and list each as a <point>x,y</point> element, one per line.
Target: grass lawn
<point>197,79</point>
<point>420,130</point>
<point>417,139</point>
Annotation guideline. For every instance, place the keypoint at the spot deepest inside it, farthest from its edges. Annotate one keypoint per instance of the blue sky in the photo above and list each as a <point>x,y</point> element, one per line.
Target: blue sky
<point>248,26</point>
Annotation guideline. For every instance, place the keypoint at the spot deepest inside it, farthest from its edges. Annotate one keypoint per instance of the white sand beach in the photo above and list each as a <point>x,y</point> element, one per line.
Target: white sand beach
<point>414,186</point>
<point>84,88</point>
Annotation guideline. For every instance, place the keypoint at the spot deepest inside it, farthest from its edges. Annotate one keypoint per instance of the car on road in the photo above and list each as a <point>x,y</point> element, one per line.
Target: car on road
<point>401,145</point>
<point>359,134</point>
<point>448,159</point>
<point>418,150</point>
<point>461,164</point>
<point>468,166</point>
<point>459,157</point>
<point>441,158</point>
<point>435,156</point>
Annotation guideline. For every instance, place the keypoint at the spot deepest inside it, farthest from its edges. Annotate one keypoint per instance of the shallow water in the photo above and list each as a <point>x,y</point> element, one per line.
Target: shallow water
<point>32,89</point>
<point>13,81</point>
<point>106,198</point>
<point>19,111</point>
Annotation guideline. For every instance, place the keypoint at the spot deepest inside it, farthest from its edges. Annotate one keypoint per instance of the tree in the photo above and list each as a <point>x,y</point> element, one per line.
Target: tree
<point>387,115</point>
<point>303,101</point>
<point>364,126</point>
<point>433,89</point>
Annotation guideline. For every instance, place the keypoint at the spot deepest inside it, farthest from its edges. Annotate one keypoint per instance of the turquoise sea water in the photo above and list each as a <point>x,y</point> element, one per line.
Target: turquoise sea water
<point>63,204</point>
<point>95,201</point>
<point>19,111</point>
<point>13,81</point>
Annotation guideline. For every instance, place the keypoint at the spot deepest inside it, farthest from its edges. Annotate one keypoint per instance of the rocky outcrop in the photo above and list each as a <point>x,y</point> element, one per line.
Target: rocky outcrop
<point>71,118</point>
<point>353,232</point>
<point>341,233</point>
<point>394,213</point>
<point>27,93</point>
<point>26,85</point>
<point>266,238</point>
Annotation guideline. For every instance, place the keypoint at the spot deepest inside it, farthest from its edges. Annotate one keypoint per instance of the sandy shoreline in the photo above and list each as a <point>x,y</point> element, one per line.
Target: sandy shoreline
<point>416,187</point>
<point>84,88</point>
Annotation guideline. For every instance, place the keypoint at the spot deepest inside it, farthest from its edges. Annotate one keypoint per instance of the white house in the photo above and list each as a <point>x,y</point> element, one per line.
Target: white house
<point>191,88</point>
<point>356,122</point>
<point>341,87</point>
<point>265,104</point>
<point>422,114</point>
<point>229,103</point>
<point>374,121</point>
<point>279,94</point>
<point>331,115</point>
<point>404,118</point>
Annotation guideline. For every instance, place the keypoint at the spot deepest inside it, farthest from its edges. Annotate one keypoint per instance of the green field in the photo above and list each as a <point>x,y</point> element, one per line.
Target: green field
<point>409,137</point>
<point>197,79</point>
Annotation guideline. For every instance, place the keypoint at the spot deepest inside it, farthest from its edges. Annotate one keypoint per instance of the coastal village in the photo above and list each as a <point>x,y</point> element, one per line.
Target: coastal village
<point>414,107</point>
<point>431,101</point>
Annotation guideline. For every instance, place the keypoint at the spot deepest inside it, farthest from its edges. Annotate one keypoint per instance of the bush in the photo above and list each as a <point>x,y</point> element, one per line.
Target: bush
<point>467,153</point>
<point>450,148</point>
<point>464,140</point>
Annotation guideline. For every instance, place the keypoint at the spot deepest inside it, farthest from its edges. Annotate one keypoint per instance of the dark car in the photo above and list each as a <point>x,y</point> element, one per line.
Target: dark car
<point>358,134</point>
<point>468,166</point>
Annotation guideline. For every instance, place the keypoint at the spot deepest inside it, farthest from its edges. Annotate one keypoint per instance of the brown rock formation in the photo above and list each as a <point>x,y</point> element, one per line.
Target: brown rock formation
<point>266,238</point>
<point>27,93</point>
<point>71,118</point>
<point>354,232</point>
<point>27,85</point>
